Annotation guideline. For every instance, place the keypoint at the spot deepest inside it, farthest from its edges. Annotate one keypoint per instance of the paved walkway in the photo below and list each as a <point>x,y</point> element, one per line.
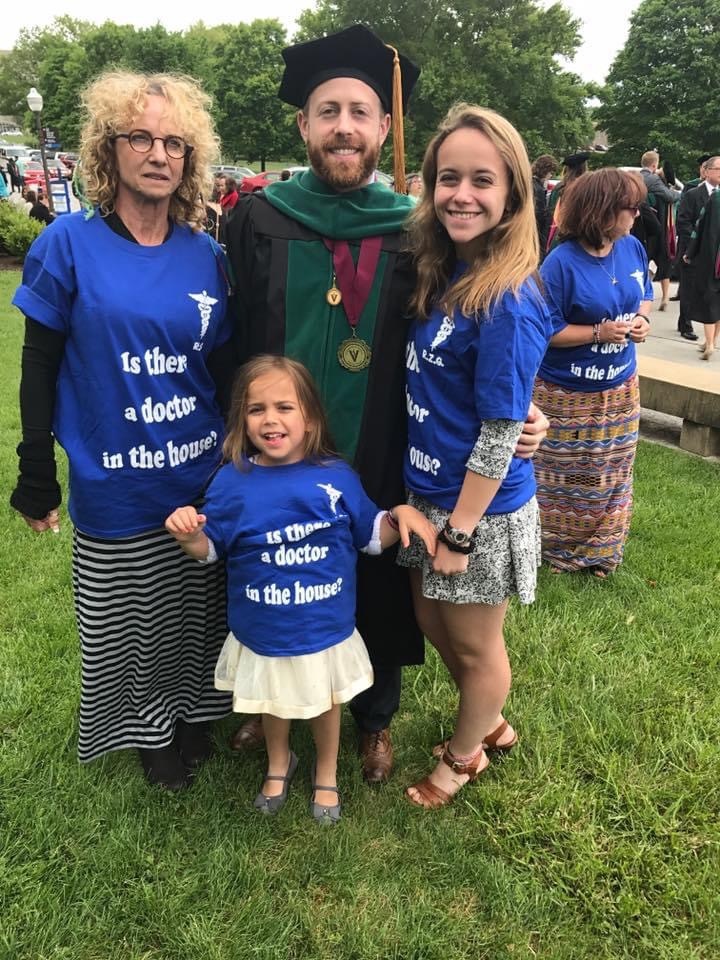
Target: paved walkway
<point>666,343</point>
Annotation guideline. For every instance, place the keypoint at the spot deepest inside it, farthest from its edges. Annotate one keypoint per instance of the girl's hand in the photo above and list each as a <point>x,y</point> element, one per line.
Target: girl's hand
<point>533,433</point>
<point>640,329</point>
<point>410,521</point>
<point>185,524</point>
<point>49,522</point>
<point>449,562</point>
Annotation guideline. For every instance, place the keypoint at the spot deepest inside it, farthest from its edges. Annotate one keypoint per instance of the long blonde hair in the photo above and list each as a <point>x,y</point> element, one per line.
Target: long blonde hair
<point>507,255</point>
<point>318,442</point>
<point>113,102</point>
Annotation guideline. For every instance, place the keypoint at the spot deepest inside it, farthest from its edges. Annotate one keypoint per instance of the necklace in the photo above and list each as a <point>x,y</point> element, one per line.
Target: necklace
<point>613,278</point>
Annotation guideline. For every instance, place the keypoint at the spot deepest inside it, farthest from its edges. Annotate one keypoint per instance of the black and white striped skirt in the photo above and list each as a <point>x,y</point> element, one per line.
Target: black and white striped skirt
<point>152,622</point>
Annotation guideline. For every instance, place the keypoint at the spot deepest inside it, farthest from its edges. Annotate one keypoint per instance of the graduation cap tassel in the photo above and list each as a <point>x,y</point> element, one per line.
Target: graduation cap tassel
<point>398,129</point>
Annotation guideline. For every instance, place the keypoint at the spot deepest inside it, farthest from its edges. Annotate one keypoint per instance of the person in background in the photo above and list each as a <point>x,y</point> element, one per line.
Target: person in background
<point>228,194</point>
<point>573,166</point>
<point>38,209</point>
<point>598,289</point>
<point>15,179</point>
<point>691,206</point>
<point>696,181</point>
<point>660,197</point>
<point>542,168</point>
<point>414,186</point>
<point>285,174</point>
<point>702,257</point>
<point>128,392</point>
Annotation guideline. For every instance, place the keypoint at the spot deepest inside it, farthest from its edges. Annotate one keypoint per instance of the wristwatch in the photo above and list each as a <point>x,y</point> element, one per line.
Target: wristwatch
<point>457,540</point>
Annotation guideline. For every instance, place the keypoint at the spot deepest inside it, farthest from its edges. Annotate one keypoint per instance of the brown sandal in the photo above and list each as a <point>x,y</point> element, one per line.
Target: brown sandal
<point>490,743</point>
<point>432,796</point>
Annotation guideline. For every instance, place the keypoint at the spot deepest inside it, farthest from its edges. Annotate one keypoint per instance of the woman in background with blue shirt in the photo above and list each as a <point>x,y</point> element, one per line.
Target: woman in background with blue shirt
<point>471,360</point>
<point>600,295</point>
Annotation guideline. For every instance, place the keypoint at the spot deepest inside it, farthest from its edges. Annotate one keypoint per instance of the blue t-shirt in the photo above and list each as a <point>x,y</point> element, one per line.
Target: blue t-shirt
<point>135,405</point>
<point>461,371</point>
<point>290,535</point>
<point>579,289</point>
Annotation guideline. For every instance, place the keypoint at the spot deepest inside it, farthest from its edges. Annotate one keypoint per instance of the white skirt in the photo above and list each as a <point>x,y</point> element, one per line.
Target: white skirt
<point>294,688</point>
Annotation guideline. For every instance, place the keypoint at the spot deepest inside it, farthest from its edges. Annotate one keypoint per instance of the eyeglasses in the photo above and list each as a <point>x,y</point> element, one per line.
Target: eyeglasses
<point>634,209</point>
<point>142,142</point>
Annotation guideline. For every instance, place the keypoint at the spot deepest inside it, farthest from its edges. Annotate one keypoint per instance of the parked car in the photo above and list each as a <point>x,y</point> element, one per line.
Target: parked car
<point>261,180</point>
<point>238,173</point>
<point>55,164</point>
<point>69,159</point>
<point>34,175</point>
<point>258,181</point>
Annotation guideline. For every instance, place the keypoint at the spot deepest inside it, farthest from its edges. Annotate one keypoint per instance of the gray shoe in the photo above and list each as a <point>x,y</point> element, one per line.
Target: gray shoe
<point>270,805</point>
<point>321,813</point>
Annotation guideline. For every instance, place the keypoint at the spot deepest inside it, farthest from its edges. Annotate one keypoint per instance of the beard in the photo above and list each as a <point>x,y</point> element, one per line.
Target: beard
<point>341,174</point>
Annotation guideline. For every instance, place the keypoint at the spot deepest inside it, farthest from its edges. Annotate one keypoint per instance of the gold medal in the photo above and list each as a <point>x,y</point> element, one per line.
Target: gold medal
<point>354,354</point>
<point>333,296</point>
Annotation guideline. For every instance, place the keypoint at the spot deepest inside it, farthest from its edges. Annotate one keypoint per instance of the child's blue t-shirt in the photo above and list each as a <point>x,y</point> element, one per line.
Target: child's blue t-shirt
<point>460,372</point>
<point>290,535</point>
<point>579,290</point>
<point>135,404</point>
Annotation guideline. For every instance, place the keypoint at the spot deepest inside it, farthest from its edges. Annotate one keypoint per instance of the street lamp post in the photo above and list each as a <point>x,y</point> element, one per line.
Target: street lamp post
<point>35,102</point>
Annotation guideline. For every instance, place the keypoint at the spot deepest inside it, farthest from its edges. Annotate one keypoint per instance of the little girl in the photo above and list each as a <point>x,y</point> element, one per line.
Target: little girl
<point>472,356</point>
<point>289,515</point>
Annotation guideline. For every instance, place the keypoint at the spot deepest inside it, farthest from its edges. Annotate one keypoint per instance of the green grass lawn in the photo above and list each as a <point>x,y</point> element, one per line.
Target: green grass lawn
<point>598,837</point>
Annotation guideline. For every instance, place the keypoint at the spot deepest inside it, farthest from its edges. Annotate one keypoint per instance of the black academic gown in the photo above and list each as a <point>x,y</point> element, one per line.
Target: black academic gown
<point>257,243</point>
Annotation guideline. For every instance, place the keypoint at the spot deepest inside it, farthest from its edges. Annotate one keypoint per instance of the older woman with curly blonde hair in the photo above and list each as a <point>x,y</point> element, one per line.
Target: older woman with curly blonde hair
<point>125,312</point>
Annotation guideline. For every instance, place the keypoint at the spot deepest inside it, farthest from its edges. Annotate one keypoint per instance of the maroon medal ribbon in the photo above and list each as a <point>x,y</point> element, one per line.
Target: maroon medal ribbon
<point>355,283</point>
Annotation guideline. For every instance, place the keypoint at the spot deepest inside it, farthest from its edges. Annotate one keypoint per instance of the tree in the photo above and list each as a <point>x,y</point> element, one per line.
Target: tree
<point>498,53</point>
<point>23,66</point>
<point>252,122</point>
<point>660,91</point>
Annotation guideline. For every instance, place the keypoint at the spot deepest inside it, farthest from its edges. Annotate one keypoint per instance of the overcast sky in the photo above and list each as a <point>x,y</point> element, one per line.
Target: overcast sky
<point>604,28</point>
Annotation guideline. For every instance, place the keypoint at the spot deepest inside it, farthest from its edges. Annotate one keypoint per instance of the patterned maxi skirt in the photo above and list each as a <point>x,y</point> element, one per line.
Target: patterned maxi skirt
<point>584,473</point>
<point>152,622</point>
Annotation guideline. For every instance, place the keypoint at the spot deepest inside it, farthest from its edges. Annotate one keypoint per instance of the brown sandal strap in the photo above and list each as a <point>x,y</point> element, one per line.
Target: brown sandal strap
<point>432,796</point>
<point>492,738</point>
<point>471,768</point>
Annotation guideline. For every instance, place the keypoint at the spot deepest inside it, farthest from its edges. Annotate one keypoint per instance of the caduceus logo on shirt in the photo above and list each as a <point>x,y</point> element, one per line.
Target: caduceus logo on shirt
<point>205,304</point>
<point>332,493</point>
<point>640,277</point>
<point>446,328</point>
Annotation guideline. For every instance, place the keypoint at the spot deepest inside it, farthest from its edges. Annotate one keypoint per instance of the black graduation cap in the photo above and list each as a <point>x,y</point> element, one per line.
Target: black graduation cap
<point>356,52</point>
<point>575,159</point>
<point>704,158</point>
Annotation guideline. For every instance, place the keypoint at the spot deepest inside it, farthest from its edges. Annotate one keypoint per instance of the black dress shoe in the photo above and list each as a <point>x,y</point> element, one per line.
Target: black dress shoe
<point>688,335</point>
<point>164,768</point>
<point>193,741</point>
<point>676,297</point>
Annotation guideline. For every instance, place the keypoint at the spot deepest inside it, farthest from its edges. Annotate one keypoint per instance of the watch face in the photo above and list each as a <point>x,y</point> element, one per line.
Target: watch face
<point>458,537</point>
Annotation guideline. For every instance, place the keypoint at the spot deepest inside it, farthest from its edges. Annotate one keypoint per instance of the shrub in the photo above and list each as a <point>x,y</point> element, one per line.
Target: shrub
<point>17,231</point>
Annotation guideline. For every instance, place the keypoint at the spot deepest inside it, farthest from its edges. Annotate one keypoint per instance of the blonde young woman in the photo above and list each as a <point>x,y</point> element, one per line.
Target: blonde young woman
<point>125,304</point>
<point>472,355</point>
